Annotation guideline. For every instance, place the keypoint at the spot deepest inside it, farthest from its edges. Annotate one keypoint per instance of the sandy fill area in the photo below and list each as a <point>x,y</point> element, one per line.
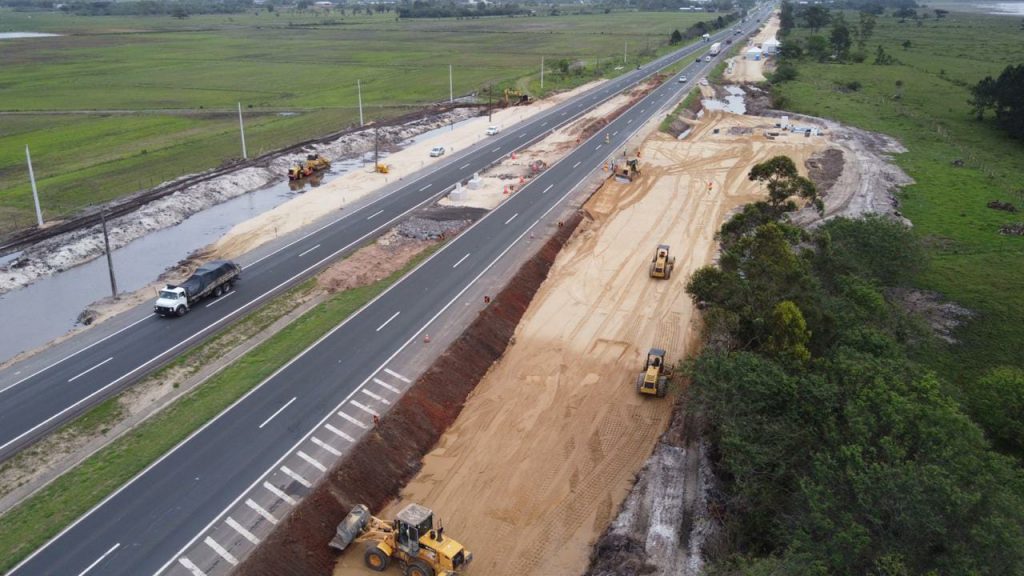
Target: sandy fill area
<point>548,444</point>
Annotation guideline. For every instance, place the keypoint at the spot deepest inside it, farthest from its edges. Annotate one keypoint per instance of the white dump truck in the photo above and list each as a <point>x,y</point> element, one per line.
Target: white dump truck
<point>213,278</point>
<point>715,49</point>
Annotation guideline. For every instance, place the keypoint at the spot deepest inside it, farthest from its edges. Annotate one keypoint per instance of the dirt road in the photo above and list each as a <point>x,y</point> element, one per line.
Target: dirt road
<point>743,70</point>
<point>547,446</point>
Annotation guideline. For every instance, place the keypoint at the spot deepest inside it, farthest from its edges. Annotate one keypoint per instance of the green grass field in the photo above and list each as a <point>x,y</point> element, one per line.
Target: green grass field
<point>180,80</point>
<point>922,101</point>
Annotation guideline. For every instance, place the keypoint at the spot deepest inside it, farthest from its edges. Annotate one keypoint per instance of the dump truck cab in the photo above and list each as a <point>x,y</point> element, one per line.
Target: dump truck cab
<point>662,264</point>
<point>170,300</point>
<point>653,380</point>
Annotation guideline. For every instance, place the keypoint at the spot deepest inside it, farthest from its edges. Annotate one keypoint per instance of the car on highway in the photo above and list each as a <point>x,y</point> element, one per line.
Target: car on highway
<point>707,58</point>
<point>682,79</point>
<point>492,130</point>
<point>437,151</point>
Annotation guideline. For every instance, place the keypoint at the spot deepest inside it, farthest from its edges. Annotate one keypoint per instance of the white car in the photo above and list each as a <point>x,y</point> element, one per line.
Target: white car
<point>703,82</point>
<point>682,79</point>
<point>437,151</point>
<point>492,130</point>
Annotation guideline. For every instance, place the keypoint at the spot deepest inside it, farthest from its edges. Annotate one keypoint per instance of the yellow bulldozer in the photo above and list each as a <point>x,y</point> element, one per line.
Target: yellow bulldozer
<point>382,168</point>
<point>314,163</point>
<point>662,264</point>
<point>628,172</point>
<point>411,541</point>
<point>653,380</point>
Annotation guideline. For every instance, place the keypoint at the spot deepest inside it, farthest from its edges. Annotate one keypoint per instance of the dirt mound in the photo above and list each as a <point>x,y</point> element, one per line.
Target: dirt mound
<point>824,169</point>
<point>942,316</point>
<point>383,461</point>
<point>619,555</point>
<point>1004,206</point>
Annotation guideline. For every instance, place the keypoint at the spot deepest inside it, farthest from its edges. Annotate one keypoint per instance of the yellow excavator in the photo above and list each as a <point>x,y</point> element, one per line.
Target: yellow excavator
<point>513,97</point>
<point>653,380</point>
<point>411,541</point>
<point>382,168</point>
<point>662,264</point>
<point>314,163</point>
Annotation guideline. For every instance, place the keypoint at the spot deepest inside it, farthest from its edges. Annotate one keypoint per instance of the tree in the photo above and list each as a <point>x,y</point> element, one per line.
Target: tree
<point>882,58</point>
<point>818,48</point>
<point>780,176</point>
<point>676,38</point>
<point>906,44</point>
<point>1004,95</point>
<point>840,38</point>
<point>179,12</point>
<point>788,335</point>
<point>996,403</point>
<point>816,17</point>
<point>786,19</point>
<point>865,28</point>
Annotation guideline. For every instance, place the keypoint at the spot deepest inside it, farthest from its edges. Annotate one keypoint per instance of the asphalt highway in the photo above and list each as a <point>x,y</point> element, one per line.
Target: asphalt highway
<point>147,526</point>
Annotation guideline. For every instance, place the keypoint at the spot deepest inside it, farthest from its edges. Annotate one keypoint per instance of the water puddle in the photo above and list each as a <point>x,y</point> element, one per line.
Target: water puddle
<point>732,103</point>
<point>15,35</point>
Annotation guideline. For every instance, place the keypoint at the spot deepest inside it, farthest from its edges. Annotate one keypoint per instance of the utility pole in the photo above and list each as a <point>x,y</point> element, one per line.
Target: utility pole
<point>110,262</point>
<point>490,110</point>
<point>625,45</point>
<point>541,72</point>
<point>359,91</point>
<point>241,128</point>
<point>35,193</point>
<point>451,86</point>
<point>376,146</point>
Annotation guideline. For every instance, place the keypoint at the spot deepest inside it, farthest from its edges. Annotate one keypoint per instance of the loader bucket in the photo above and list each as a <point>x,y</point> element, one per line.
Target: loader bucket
<point>351,527</point>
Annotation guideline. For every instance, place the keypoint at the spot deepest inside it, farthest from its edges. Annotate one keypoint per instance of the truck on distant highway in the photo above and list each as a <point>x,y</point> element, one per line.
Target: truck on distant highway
<point>213,278</point>
<point>715,49</point>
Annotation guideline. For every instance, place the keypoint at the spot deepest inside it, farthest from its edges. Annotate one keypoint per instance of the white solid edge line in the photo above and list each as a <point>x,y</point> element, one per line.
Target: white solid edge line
<point>191,567</point>
<point>100,559</point>
<point>388,321</point>
<point>682,53</point>
<point>261,511</point>
<point>80,374</point>
<point>461,260</point>
<point>225,318</point>
<point>279,410</point>
<point>241,530</point>
<point>304,252</point>
<point>76,353</point>
<point>221,299</point>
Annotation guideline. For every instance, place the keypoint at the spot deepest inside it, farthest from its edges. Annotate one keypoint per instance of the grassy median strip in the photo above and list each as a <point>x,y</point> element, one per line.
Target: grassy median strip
<point>32,523</point>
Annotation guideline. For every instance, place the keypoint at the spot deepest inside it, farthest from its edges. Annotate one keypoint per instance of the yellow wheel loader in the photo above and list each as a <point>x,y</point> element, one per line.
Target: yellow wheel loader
<point>314,163</point>
<point>411,541</point>
<point>662,264</point>
<point>655,376</point>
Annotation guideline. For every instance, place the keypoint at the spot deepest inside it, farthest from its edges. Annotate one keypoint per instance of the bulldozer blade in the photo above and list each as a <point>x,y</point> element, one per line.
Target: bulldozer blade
<point>351,527</point>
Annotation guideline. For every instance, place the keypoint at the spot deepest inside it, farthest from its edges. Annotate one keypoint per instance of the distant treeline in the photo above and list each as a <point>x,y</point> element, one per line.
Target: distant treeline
<point>429,9</point>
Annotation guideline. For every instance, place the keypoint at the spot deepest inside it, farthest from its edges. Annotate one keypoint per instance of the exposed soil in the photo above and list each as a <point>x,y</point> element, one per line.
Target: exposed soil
<point>743,70</point>
<point>941,315</point>
<point>824,169</point>
<point>378,466</point>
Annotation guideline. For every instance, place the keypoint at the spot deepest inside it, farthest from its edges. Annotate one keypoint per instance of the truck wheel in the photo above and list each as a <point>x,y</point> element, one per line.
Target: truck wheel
<point>218,291</point>
<point>419,568</point>
<point>376,559</point>
<point>179,311</point>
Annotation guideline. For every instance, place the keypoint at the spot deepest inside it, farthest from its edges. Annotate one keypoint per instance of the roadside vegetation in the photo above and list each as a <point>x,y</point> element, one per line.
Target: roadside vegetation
<point>910,74</point>
<point>121,103</point>
<point>37,519</point>
<point>837,452</point>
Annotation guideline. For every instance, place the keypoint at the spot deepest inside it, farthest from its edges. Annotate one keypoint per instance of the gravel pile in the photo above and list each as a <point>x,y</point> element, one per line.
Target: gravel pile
<point>423,229</point>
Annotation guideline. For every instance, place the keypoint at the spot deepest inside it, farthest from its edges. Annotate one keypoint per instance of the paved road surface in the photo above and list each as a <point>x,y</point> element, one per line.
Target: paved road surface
<point>148,525</point>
